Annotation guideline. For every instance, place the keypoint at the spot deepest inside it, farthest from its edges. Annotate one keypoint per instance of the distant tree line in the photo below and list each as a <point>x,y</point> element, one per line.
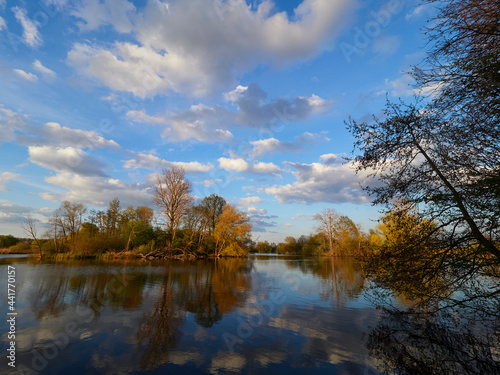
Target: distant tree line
<point>212,227</point>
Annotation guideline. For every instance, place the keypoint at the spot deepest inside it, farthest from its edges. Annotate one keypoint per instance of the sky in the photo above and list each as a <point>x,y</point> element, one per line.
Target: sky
<point>249,98</point>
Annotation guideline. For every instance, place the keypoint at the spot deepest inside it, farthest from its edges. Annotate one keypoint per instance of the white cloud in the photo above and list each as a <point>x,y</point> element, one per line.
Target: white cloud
<point>250,200</point>
<point>261,167</point>
<point>402,86</point>
<point>31,35</point>
<point>268,145</point>
<point>11,213</point>
<point>184,125</point>
<point>406,86</point>
<point>95,13</point>
<point>27,76</point>
<point>331,159</point>
<point>16,127</point>
<point>210,123</point>
<point>68,159</point>
<point>208,183</point>
<point>318,105</point>
<point>431,90</point>
<point>236,94</point>
<point>255,111</point>
<point>252,210</point>
<point>48,74</point>
<point>10,122</point>
<point>319,182</point>
<point>230,38</point>
<point>418,11</point>
<point>148,161</point>
<point>97,191</point>
<point>306,217</point>
<point>237,165</point>
<point>5,177</point>
<point>3,24</point>
<point>240,165</point>
<point>78,138</point>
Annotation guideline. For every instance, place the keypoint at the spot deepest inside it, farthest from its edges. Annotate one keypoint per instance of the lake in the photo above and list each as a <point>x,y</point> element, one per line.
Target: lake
<point>261,315</point>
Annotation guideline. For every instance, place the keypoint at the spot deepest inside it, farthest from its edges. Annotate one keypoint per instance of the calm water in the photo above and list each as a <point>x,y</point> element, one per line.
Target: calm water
<point>264,315</point>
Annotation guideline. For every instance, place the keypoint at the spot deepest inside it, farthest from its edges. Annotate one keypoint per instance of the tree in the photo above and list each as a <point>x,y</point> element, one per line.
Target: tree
<point>29,225</point>
<point>327,224</point>
<point>69,218</point>
<point>416,158</point>
<point>7,241</point>
<point>172,195</point>
<point>112,217</point>
<point>196,224</point>
<point>440,155</point>
<point>463,63</point>
<point>263,247</point>
<point>232,232</point>
<point>212,207</point>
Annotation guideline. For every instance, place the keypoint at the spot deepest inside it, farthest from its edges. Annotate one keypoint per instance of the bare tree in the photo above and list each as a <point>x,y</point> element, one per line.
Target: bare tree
<point>328,221</point>
<point>69,218</point>
<point>29,225</point>
<point>172,196</point>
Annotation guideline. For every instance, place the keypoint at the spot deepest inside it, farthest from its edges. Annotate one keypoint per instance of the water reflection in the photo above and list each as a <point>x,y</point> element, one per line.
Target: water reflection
<point>206,289</point>
<point>341,279</point>
<point>263,315</point>
<point>416,343</point>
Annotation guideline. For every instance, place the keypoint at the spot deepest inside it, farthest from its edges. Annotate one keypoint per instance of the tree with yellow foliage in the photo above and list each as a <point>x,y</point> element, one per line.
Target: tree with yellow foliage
<point>232,232</point>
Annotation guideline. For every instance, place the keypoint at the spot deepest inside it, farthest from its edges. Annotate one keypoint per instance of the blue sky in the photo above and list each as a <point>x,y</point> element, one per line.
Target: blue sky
<point>250,98</point>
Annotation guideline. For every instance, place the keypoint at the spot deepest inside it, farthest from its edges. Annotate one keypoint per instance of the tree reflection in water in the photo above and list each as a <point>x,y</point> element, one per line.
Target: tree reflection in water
<point>419,343</point>
<point>446,330</point>
<point>206,289</point>
<point>159,331</point>
<point>341,278</point>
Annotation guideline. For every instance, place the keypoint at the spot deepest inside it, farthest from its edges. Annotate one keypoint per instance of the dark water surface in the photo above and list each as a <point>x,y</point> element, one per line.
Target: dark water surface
<point>264,315</point>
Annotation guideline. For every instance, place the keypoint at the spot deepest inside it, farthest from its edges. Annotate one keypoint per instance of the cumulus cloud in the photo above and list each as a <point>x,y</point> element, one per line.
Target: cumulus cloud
<point>418,11</point>
<point>11,213</point>
<point>272,145</point>
<point>240,165</point>
<point>209,182</point>
<point>5,177</point>
<point>149,161</point>
<point>76,137</point>
<point>24,75</point>
<point>47,74</point>
<point>97,191</point>
<point>322,182</point>
<point>95,13</point>
<point>184,125</point>
<point>211,123</point>
<point>31,35</point>
<point>16,127</point>
<point>259,218</point>
<point>255,111</point>
<point>402,86</point>
<point>406,86</point>
<point>250,200</point>
<point>333,159</point>
<point>261,167</point>
<point>10,123</point>
<point>237,165</point>
<point>169,54</point>
<point>68,159</point>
